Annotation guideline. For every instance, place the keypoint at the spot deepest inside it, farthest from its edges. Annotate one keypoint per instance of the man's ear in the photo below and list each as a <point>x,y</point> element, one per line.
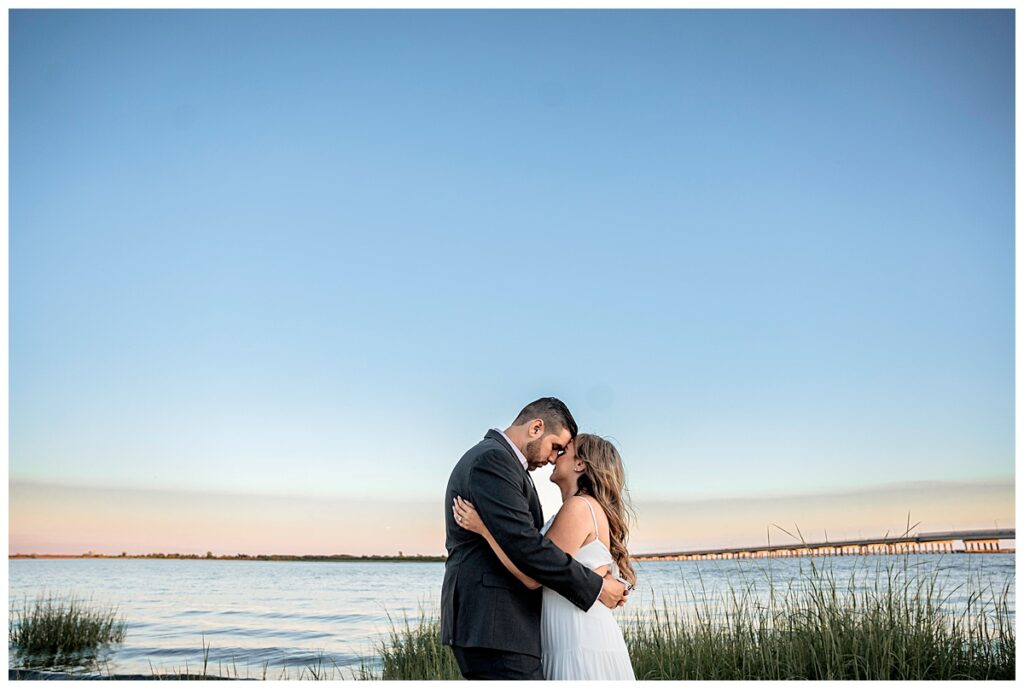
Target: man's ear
<point>536,428</point>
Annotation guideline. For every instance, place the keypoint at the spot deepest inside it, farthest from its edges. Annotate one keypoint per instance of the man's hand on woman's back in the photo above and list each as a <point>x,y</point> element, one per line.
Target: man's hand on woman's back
<point>613,592</point>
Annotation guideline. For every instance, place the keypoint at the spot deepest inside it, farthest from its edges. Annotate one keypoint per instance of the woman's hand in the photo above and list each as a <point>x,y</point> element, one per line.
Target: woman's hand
<point>467,517</point>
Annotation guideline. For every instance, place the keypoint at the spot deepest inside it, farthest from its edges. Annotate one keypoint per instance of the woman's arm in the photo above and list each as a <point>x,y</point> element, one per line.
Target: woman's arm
<point>467,517</point>
<point>500,492</point>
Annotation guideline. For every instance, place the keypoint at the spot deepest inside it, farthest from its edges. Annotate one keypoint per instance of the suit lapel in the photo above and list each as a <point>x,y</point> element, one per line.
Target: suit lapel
<point>528,484</point>
<point>535,510</point>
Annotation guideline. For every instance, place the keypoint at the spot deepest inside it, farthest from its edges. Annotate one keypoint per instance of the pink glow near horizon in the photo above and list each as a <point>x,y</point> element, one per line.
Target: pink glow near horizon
<point>75,520</point>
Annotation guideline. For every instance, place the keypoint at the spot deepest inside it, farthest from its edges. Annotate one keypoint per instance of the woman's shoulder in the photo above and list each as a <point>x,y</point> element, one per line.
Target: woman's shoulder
<point>573,513</point>
<point>588,505</point>
<point>575,507</point>
<point>592,502</point>
<point>582,508</point>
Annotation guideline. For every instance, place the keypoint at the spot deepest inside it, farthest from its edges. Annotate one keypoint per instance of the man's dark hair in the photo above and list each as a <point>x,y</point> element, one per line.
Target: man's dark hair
<point>552,411</point>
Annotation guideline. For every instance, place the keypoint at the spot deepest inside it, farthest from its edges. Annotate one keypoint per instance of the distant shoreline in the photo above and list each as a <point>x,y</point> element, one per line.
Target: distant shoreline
<point>373,558</point>
<point>261,558</point>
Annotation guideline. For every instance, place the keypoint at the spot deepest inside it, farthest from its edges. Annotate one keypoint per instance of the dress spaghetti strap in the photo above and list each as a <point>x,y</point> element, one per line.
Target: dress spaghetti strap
<point>597,532</point>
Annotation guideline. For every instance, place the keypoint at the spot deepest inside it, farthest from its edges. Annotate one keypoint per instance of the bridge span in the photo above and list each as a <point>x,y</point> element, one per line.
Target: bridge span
<point>977,541</point>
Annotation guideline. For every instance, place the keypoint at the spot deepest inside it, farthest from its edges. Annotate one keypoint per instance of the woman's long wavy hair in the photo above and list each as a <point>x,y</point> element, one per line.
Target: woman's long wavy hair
<point>604,479</point>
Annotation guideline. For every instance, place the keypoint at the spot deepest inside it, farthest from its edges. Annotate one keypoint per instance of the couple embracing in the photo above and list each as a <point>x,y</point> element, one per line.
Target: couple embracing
<point>524,599</point>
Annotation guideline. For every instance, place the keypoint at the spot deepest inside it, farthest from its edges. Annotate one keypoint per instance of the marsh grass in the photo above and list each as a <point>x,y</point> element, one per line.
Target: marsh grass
<point>64,634</point>
<point>56,631</point>
<point>897,625</point>
<point>889,624</point>
<point>413,652</point>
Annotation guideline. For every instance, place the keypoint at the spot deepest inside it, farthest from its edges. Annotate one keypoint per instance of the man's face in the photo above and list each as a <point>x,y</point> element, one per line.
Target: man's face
<point>546,449</point>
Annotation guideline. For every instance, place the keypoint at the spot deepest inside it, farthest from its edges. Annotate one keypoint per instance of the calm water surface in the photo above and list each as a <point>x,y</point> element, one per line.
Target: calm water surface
<point>288,614</point>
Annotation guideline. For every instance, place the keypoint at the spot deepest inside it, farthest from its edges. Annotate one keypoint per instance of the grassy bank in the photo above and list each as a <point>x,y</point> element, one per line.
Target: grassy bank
<point>891,625</point>
<point>59,631</point>
<point>894,625</point>
<point>413,651</point>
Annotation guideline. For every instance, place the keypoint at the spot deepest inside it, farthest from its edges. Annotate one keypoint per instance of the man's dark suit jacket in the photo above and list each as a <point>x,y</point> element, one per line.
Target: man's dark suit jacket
<point>482,604</point>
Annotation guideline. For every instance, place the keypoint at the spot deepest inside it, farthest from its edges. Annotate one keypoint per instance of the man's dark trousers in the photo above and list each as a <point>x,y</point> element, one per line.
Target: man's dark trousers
<point>490,663</point>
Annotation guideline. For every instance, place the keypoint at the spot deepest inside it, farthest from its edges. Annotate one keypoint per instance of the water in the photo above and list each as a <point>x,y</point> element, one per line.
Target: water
<point>293,615</point>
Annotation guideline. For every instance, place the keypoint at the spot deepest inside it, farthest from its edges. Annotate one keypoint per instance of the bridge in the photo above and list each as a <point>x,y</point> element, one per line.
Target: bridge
<point>976,541</point>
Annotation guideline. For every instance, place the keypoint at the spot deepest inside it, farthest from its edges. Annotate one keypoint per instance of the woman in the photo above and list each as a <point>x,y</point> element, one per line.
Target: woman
<point>590,526</point>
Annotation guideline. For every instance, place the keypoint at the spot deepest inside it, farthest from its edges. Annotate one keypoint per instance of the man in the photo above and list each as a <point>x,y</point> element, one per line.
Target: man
<point>491,621</point>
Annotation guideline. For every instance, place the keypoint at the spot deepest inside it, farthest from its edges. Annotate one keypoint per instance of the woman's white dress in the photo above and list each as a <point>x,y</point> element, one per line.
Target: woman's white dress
<point>577,644</point>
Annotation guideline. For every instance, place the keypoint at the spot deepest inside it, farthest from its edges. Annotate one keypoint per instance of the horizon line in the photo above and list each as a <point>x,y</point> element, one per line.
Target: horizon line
<point>987,534</point>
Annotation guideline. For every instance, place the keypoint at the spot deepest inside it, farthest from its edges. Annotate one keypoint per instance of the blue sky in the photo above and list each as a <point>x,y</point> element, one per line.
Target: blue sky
<point>322,252</point>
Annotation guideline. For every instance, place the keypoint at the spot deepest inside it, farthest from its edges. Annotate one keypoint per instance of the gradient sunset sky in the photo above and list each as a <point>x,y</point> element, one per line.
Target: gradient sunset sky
<point>272,272</point>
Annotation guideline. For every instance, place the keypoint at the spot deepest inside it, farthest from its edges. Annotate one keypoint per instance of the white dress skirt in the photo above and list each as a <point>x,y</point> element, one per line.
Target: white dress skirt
<point>577,644</point>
